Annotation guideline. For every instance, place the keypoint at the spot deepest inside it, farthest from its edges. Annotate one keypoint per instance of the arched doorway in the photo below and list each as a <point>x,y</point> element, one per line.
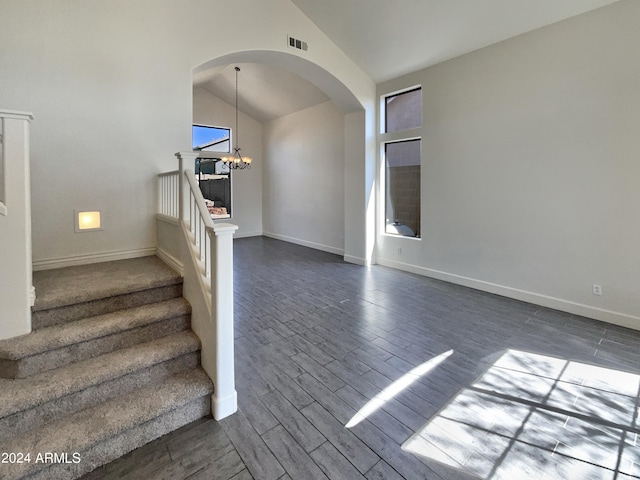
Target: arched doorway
<point>313,181</point>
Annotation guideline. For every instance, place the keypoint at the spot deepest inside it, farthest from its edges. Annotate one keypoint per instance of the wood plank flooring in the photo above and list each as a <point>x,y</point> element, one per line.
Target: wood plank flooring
<point>467,384</point>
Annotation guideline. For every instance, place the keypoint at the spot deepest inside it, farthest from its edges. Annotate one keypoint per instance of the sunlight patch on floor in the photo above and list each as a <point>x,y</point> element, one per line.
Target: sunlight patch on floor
<point>532,416</point>
<point>404,382</point>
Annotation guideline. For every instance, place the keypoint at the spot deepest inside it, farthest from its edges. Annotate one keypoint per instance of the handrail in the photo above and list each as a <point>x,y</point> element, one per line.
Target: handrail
<point>208,277</point>
<point>199,222</point>
<point>198,199</point>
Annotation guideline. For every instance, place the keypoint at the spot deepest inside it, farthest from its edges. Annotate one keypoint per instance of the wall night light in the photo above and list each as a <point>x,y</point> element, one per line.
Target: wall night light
<point>87,221</point>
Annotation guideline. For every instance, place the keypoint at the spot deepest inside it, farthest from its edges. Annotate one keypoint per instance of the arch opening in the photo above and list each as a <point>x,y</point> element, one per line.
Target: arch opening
<point>329,205</point>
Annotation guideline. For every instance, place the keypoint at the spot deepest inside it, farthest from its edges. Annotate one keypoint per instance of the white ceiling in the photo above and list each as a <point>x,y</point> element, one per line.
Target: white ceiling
<point>265,92</point>
<point>386,39</point>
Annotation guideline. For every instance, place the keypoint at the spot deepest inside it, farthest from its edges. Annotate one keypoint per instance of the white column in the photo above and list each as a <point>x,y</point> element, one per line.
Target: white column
<point>16,280</point>
<point>224,400</point>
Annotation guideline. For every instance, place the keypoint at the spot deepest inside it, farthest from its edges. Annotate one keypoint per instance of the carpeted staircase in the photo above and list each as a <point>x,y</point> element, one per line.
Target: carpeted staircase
<point>111,364</point>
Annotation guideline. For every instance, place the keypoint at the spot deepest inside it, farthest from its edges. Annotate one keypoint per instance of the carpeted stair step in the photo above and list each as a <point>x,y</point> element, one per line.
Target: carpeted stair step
<point>60,345</point>
<point>29,403</point>
<point>72,293</point>
<point>102,433</point>
<point>111,365</point>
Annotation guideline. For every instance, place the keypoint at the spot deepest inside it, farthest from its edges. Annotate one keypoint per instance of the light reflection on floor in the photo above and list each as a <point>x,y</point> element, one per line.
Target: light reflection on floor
<point>537,417</point>
<point>398,386</point>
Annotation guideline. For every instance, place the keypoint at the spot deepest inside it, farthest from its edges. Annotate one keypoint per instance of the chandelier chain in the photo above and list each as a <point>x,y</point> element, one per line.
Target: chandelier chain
<point>237,161</point>
<point>237,131</point>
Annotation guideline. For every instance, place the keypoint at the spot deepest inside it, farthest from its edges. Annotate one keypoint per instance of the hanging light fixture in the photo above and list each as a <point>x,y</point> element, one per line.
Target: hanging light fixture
<point>237,161</point>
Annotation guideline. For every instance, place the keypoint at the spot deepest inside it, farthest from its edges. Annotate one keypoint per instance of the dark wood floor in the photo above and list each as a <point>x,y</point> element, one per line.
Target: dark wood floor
<point>466,384</point>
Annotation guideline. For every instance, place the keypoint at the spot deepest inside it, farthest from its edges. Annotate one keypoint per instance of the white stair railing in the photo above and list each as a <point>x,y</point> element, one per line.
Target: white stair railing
<point>210,258</point>
<point>200,224</point>
<point>168,204</point>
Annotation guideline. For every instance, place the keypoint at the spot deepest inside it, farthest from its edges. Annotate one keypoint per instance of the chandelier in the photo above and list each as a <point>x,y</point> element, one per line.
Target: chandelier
<point>237,161</point>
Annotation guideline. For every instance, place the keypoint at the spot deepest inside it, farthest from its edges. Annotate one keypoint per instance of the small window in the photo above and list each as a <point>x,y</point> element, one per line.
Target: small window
<point>211,139</point>
<point>402,174</point>
<point>403,110</point>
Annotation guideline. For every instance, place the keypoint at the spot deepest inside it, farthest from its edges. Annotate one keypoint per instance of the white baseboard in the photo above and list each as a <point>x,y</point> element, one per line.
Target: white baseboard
<point>167,219</point>
<point>356,260</point>
<point>75,260</point>
<point>32,296</point>
<point>170,260</point>
<point>223,407</point>
<point>247,234</point>
<point>609,316</point>
<point>305,243</point>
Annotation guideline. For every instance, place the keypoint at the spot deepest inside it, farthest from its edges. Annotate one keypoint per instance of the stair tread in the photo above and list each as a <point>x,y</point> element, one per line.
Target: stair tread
<point>130,391</point>
<point>17,395</point>
<point>84,283</point>
<point>59,336</point>
<point>80,431</point>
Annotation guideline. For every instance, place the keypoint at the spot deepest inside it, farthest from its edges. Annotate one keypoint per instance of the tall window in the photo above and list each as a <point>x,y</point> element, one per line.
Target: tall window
<point>402,174</point>
<point>402,158</point>
<point>214,177</point>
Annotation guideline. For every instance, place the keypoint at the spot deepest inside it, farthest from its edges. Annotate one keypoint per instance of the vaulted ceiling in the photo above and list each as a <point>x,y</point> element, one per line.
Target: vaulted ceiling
<point>391,38</point>
<point>386,40</point>
<point>265,92</point>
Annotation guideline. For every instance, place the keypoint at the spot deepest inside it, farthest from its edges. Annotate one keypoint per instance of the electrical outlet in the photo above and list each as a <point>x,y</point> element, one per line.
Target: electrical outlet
<point>597,289</point>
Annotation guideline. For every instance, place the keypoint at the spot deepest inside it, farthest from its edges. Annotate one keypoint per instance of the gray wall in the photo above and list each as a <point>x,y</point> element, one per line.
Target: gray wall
<point>110,87</point>
<point>304,178</point>
<point>531,167</point>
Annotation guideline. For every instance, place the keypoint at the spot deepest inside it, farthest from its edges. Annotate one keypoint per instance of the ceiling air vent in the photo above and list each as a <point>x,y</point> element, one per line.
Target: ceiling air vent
<point>295,43</point>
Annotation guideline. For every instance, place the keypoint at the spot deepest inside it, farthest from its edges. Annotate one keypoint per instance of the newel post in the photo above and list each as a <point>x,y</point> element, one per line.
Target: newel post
<point>185,159</point>
<point>224,401</point>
